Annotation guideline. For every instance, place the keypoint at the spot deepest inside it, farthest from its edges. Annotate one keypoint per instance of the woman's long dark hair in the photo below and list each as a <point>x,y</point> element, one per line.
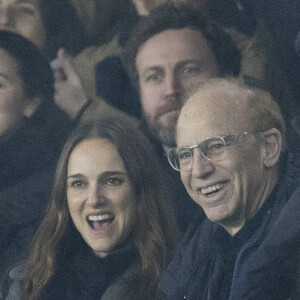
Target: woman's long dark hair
<point>154,232</point>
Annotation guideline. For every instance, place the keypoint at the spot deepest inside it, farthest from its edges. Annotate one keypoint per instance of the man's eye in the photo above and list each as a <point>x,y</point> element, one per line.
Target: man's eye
<point>114,181</point>
<point>214,147</point>
<point>190,71</point>
<point>184,154</point>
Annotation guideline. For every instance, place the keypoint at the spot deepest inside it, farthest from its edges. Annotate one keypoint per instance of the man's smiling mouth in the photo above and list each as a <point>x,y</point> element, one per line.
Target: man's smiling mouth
<point>212,189</point>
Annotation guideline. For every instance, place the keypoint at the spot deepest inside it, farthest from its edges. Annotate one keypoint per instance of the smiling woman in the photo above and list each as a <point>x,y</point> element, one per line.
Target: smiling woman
<point>100,196</point>
<point>109,230</point>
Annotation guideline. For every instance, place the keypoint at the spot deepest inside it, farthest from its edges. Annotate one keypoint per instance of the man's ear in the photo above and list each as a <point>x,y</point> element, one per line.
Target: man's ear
<point>31,106</point>
<point>272,147</point>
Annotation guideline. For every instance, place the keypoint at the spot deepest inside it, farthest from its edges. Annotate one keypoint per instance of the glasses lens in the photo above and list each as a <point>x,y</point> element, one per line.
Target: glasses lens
<point>213,148</point>
<point>180,158</point>
<point>184,157</point>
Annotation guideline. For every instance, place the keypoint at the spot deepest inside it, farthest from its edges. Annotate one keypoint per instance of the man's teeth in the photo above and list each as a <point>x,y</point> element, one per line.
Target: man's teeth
<point>100,217</point>
<point>213,188</point>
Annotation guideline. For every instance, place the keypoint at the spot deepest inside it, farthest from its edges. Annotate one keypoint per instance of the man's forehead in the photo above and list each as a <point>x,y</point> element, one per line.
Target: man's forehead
<point>211,114</point>
<point>173,45</point>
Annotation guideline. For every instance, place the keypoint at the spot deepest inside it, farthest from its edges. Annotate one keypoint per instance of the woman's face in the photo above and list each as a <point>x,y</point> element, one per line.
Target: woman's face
<point>100,195</point>
<point>14,105</point>
<point>23,17</point>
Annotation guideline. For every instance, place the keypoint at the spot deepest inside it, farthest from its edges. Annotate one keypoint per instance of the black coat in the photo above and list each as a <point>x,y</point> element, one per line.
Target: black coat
<point>28,159</point>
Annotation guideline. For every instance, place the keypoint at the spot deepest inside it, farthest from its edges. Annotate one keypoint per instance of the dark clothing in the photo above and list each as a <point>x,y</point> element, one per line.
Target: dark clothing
<point>256,263</point>
<point>184,207</point>
<point>282,18</point>
<point>113,85</point>
<point>80,274</point>
<point>28,159</point>
<point>86,276</point>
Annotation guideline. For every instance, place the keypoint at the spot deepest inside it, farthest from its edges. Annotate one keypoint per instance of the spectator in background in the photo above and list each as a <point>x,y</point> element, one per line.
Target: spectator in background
<point>55,28</point>
<point>109,231</point>
<point>103,21</point>
<point>260,65</point>
<point>32,132</point>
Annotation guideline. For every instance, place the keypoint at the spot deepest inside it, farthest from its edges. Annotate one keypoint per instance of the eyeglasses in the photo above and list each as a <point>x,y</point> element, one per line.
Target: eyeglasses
<point>212,148</point>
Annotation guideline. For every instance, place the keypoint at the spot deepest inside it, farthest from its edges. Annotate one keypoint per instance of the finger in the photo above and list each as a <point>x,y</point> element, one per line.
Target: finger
<point>66,66</point>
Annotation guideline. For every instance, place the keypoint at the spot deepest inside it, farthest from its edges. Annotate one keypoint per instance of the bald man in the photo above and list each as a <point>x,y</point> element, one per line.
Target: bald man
<point>230,140</point>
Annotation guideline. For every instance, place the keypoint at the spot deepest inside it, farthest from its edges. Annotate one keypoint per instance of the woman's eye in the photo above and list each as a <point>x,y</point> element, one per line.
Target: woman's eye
<point>154,78</point>
<point>78,184</point>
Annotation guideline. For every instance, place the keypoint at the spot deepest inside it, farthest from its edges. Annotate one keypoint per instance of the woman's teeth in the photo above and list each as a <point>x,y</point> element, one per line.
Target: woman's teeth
<point>96,218</point>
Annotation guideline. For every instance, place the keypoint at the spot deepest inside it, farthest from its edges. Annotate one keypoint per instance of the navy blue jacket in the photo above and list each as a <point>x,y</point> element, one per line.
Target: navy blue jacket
<point>263,254</point>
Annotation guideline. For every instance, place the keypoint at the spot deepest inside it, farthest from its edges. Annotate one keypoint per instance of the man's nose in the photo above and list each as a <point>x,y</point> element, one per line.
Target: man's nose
<point>172,84</point>
<point>95,196</point>
<point>201,166</point>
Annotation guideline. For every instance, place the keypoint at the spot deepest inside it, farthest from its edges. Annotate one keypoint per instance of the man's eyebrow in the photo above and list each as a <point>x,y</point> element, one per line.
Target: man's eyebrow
<point>151,69</point>
<point>188,61</point>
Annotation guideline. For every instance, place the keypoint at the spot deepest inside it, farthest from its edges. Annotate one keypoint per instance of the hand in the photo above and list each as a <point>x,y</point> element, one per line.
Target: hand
<point>69,93</point>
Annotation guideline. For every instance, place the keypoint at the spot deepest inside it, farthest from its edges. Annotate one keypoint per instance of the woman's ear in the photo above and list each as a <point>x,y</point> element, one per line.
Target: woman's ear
<point>272,147</point>
<point>31,106</point>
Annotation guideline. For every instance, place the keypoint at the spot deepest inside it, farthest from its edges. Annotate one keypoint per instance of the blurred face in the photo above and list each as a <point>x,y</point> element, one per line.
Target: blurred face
<point>169,65</point>
<point>230,190</point>
<point>23,17</point>
<point>100,195</point>
<point>13,103</point>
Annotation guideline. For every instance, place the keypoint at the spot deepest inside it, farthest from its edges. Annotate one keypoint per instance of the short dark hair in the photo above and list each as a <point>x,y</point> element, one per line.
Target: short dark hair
<point>62,27</point>
<point>168,17</point>
<point>33,67</point>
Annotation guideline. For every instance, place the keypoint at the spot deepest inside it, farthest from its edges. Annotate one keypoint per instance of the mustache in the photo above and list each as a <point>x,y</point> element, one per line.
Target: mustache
<point>167,108</point>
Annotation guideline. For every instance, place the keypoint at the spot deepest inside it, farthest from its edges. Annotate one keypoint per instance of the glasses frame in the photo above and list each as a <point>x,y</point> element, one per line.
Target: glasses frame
<point>223,138</point>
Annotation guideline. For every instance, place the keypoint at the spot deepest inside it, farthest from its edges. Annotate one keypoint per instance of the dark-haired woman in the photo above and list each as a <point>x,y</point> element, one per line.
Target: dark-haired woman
<point>32,132</point>
<point>108,232</point>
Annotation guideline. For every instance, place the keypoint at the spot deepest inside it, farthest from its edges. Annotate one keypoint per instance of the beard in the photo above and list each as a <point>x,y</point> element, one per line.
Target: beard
<point>164,133</point>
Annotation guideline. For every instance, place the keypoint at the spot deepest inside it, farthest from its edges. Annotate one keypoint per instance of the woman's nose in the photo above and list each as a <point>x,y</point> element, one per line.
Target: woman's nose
<point>95,197</point>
